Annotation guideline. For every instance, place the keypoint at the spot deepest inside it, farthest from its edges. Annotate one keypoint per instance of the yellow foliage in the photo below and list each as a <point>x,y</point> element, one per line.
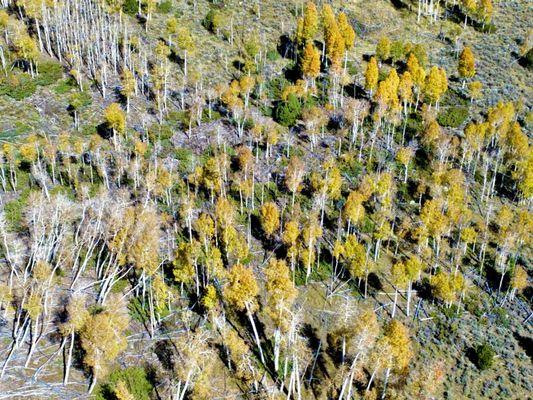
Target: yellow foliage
<point>242,289</point>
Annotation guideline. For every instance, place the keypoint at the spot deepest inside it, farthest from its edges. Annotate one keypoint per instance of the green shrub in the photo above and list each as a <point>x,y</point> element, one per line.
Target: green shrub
<point>185,157</point>
<point>49,72</point>
<point>120,286</point>
<point>484,356</point>
<point>136,310</point>
<point>215,115</point>
<point>164,7</point>
<point>65,86</point>
<point>287,112</point>
<point>397,50</point>
<point>160,132</point>
<point>80,100</point>
<point>272,55</point>
<point>488,28</point>
<point>13,211</point>
<point>252,47</point>
<point>501,317</point>
<point>275,87</point>
<point>212,21</point>
<point>453,117</point>
<point>136,380</point>
<point>178,119</point>
<point>130,7</point>
<point>352,67</point>
<point>18,86</point>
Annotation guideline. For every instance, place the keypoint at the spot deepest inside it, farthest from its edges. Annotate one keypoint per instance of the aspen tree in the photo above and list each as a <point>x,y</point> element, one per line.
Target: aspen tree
<point>185,263</point>
<point>469,8</point>
<point>290,236</point>
<point>333,37</point>
<point>205,228</point>
<point>26,49</point>
<point>102,339</point>
<point>485,11</point>
<point>353,211</point>
<point>397,336</point>
<point>116,120</point>
<point>358,340</point>
<point>129,86</point>
<point>326,185</point>
<point>4,22</point>
<point>431,134</point>
<point>308,25</point>
<point>446,287</point>
<point>346,30</point>
<point>172,28</point>
<point>185,42</point>
<point>436,84</point>
<point>414,268</point>
<point>34,308</point>
<point>310,235</point>
<point>371,75</point>
<point>519,280</point>
<point>77,317</point>
<point>524,176</point>
<point>214,265</point>
<point>399,279</point>
<point>383,48</point>
<point>246,85</point>
<point>293,176</point>
<point>114,6</point>
<point>235,244</point>
<point>272,134</point>
<point>241,293</point>
<point>239,355</point>
<point>418,74</point>
<point>150,7</point>
<point>269,214</point>
<point>281,293</point>
<point>310,62</point>
<point>144,241</point>
<point>355,255</point>
<point>405,91</point>
<point>314,119</point>
<point>192,362</point>
<point>475,90</point>
<point>466,66</point>
<point>404,157</point>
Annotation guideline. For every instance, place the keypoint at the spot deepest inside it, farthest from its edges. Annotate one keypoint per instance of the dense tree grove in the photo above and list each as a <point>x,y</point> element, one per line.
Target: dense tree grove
<point>261,200</point>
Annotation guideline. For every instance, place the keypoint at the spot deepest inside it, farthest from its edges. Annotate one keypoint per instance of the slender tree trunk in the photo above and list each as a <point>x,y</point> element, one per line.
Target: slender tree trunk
<point>69,359</point>
<point>256,335</point>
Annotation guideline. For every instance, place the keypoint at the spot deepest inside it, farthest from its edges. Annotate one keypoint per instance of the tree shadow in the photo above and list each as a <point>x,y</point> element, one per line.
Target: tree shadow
<point>119,96</point>
<point>287,47</point>
<point>471,355</point>
<point>165,354</point>
<point>526,343</point>
<point>104,131</point>
<point>374,282</point>
<point>356,91</point>
<point>494,277</point>
<point>525,61</point>
<point>423,289</point>
<point>320,372</point>
<point>399,4</point>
